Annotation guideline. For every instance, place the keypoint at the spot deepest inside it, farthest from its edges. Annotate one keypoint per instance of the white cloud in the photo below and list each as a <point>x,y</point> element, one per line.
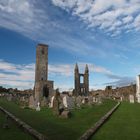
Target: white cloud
<point>26,17</point>
<point>127,19</point>
<point>13,75</point>
<point>105,15</point>
<point>6,66</point>
<point>22,76</point>
<point>137,22</point>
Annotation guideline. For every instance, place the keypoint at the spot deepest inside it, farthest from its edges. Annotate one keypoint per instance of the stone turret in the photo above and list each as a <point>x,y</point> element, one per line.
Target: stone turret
<point>77,80</point>
<point>86,80</point>
<point>86,69</point>
<point>81,87</point>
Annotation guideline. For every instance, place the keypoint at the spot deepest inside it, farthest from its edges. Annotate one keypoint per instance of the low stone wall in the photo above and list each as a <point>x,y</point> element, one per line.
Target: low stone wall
<point>90,132</point>
<point>27,128</point>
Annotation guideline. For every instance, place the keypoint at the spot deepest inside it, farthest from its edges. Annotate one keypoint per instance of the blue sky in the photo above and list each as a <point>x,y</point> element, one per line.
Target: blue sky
<point>103,34</point>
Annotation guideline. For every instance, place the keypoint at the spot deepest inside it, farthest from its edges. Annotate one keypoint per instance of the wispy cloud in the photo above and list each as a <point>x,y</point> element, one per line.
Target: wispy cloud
<point>120,80</point>
<point>29,18</point>
<point>22,76</point>
<point>19,76</point>
<point>112,16</point>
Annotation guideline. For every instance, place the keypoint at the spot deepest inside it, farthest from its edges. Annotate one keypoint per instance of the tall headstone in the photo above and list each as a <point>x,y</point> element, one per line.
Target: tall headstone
<point>68,102</point>
<point>94,99</point>
<point>78,101</point>
<point>138,88</point>
<point>51,102</point>
<point>56,104</point>
<point>32,102</point>
<point>131,98</point>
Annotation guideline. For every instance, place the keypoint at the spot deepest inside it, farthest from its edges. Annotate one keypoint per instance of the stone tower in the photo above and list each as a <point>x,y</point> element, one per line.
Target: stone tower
<point>43,87</point>
<point>138,88</point>
<point>41,71</point>
<point>77,80</point>
<point>86,79</point>
<point>81,81</point>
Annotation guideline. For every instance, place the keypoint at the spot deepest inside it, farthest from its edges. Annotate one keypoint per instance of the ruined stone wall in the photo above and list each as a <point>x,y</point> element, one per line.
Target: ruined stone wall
<point>81,88</point>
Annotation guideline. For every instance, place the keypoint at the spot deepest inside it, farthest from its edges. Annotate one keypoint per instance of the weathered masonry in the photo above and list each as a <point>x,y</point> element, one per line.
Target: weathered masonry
<point>81,81</point>
<point>43,87</point>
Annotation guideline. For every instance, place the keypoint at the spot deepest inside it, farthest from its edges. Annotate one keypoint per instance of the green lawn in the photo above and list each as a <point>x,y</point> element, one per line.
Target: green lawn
<point>13,133</point>
<point>124,124</point>
<point>58,128</point>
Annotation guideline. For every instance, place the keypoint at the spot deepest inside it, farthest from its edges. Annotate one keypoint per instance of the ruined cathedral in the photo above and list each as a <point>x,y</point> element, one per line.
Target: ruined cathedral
<point>81,81</point>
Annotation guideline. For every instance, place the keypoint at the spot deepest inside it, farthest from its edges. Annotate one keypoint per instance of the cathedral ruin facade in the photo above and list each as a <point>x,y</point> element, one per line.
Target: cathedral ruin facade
<point>81,82</point>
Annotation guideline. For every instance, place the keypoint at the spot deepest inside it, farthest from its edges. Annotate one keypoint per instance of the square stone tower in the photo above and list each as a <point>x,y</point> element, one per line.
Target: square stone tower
<point>43,88</point>
<point>138,88</point>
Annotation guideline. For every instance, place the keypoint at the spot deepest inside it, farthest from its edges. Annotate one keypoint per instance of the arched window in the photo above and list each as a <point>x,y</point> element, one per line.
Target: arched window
<point>81,79</point>
<point>45,91</point>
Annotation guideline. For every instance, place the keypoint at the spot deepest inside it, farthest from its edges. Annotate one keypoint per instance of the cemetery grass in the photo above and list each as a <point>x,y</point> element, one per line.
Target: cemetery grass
<point>124,124</point>
<point>57,128</point>
<point>13,132</point>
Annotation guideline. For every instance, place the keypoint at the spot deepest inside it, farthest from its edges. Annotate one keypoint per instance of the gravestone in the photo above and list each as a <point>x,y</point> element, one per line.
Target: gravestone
<point>71,102</point>
<point>38,106</point>
<point>121,98</point>
<point>131,98</point>
<point>9,97</point>
<point>94,100</point>
<point>68,102</point>
<point>90,100</point>
<point>99,100</point>
<point>65,114</point>
<point>56,104</point>
<point>51,102</point>
<point>32,102</point>
<point>83,101</point>
<point>78,101</point>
